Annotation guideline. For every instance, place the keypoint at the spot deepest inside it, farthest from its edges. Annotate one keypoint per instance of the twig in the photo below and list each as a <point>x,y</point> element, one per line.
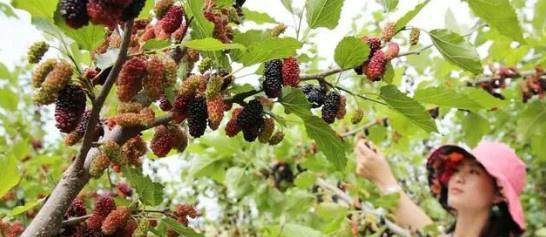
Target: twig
<point>322,74</point>
<point>99,101</point>
<point>76,220</point>
<point>365,207</point>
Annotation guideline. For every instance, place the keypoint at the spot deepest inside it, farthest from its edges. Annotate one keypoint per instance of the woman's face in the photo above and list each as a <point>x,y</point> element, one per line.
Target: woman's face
<point>472,188</point>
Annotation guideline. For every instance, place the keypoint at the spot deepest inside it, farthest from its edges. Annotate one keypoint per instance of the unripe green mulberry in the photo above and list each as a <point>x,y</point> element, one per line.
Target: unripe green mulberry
<point>40,72</point>
<point>142,229</point>
<point>113,151</point>
<point>276,138</point>
<point>389,31</point>
<point>278,30</point>
<point>36,51</point>
<point>214,86</point>
<point>205,65</point>
<point>414,36</point>
<point>58,78</point>
<point>43,98</point>
<point>170,71</point>
<point>98,165</point>
<point>189,86</point>
<point>358,114</point>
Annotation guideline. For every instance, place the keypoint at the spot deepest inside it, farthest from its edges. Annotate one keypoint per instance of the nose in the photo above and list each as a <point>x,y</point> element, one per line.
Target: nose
<point>458,177</point>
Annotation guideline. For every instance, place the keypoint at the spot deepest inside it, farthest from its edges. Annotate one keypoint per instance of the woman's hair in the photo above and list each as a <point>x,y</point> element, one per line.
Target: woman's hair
<point>500,223</point>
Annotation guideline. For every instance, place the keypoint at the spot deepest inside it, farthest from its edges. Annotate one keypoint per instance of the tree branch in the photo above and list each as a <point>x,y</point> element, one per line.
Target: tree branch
<point>99,101</point>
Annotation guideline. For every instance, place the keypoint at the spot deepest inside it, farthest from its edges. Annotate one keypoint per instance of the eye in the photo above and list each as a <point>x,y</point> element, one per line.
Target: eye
<point>474,171</point>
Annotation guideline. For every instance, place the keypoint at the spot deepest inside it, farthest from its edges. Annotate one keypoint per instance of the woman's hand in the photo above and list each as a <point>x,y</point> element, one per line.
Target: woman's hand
<point>372,165</point>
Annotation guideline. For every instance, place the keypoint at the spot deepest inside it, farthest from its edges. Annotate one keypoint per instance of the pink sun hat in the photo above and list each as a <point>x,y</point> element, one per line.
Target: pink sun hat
<point>499,160</point>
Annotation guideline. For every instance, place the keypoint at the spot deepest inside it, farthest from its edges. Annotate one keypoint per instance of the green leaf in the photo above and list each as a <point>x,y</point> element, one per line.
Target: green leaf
<point>351,52</point>
<point>390,5</point>
<point>87,37</point>
<point>305,179</point>
<point>201,27</point>
<point>475,127</point>
<point>37,8</point>
<point>10,174</point>
<point>22,209</point>
<point>268,49</point>
<point>295,230</point>
<point>389,202</point>
<point>408,107</point>
<point>237,181</point>
<point>9,99</point>
<point>145,13</point>
<point>288,5</point>
<point>150,193</point>
<point>532,120</point>
<point>447,97</point>
<point>483,98</point>
<point>181,229</point>
<point>6,10</point>
<point>499,14</point>
<point>210,44</point>
<point>294,101</point>
<point>258,17</point>
<point>156,44</point>
<point>457,50</point>
<point>389,73</point>
<point>404,20</point>
<point>323,13</point>
<point>223,3</point>
<point>539,21</point>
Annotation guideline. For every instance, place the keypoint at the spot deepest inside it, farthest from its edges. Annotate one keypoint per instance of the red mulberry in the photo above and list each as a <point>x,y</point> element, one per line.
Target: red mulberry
<point>341,110</point>
<point>290,72</point>
<point>330,107</point>
<point>134,149</point>
<point>130,79</point>
<point>180,107</point>
<point>315,95</point>
<point>375,68</point>
<point>101,12</point>
<point>185,210</point>
<point>197,116</point>
<point>180,138</point>
<point>165,104</point>
<point>172,19</point>
<point>273,78</point>
<point>250,120</point>
<point>162,142</point>
<point>374,44</point>
<point>215,108</point>
<point>115,220</point>
<point>37,51</point>
<point>214,86</point>
<point>77,208</point>
<point>222,30</point>
<point>232,128</point>
<point>74,12</point>
<point>124,189</point>
<point>392,51</point>
<point>153,81</point>
<point>69,108</point>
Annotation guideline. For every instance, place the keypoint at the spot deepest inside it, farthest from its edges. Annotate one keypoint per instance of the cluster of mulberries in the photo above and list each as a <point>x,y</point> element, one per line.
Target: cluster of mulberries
<point>109,13</point>
<point>13,229</point>
<point>375,66</point>
<point>250,120</point>
<point>37,51</point>
<point>145,118</point>
<point>220,18</point>
<point>534,85</point>
<point>315,95</point>
<point>69,108</point>
<point>49,78</point>
<point>278,73</point>
<point>130,78</point>
<point>334,107</point>
<point>183,211</point>
<point>104,205</point>
<point>282,174</point>
<point>166,138</point>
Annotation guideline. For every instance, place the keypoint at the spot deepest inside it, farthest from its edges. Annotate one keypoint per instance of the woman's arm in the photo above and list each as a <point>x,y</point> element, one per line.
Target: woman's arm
<point>372,165</point>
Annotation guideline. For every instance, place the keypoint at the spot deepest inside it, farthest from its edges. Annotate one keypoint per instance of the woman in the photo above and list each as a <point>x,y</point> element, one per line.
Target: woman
<point>480,188</point>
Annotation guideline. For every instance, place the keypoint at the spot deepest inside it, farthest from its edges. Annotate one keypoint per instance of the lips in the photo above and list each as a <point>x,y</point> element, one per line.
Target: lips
<point>455,190</point>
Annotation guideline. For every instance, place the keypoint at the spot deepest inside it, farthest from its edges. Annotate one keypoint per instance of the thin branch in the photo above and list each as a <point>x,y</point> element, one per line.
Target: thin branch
<point>365,207</point>
<point>76,220</point>
<point>99,101</point>
<point>322,74</point>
